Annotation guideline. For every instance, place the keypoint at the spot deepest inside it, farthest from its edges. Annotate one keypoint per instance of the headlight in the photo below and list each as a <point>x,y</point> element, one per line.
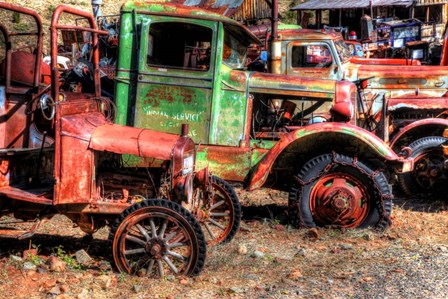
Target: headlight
<point>188,163</point>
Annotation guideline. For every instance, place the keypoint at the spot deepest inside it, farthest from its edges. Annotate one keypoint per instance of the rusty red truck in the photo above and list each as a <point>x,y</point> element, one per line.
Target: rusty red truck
<point>181,64</point>
<point>61,153</point>
<point>405,105</point>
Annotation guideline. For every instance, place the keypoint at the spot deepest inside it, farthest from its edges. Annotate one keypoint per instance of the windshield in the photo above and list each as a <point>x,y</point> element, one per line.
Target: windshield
<point>236,43</point>
<point>343,50</point>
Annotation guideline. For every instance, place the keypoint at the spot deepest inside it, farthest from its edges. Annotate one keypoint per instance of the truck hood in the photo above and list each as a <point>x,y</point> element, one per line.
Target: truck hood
<point>403,80</point>
<point>293,86</point>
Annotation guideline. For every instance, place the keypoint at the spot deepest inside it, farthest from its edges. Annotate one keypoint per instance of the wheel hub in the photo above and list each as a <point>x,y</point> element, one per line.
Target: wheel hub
<point>434,172</point>
<point>201,215</point>
<point>155,248</point>
<point>339,200</point>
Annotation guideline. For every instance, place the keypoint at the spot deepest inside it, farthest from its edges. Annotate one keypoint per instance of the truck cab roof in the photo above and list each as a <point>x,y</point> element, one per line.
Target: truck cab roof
<point>304,34</point>
<point>161,7</point>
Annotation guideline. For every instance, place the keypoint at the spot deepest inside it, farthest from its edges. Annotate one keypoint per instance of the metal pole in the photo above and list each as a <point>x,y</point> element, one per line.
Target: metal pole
<point>371,9</point>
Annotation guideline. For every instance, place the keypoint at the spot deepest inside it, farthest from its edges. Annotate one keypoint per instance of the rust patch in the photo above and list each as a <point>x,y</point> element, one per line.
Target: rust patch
<point>237,77</point>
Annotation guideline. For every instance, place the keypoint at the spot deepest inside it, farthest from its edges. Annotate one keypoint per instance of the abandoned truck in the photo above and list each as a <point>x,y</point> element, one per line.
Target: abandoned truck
<point>405,105</point>
<point>62,154</point>
<point>180,64</point>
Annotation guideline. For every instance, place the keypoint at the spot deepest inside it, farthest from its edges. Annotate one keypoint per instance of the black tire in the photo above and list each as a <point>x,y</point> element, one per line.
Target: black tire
<point>220,214</point>
<point>157,234</point>
<point>428,176</point>
<point>332,188</point>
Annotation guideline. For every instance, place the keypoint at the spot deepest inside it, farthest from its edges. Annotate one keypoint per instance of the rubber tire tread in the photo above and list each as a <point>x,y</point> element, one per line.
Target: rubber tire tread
<point>405,180</point>
<point>202,245</point>
<point>299,212</point>
<point>236,206</point>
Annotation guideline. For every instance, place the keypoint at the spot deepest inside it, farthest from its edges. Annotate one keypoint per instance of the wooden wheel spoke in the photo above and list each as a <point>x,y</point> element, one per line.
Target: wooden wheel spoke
<point>135,240</point>
<point>219,203</point>
<point>209,230</point>
<point>170,264</point>
<point>176,255</point>
<point>170,236</point>
<point>215,223</point>
<point>160,268</point>
<point>143,232</point>
<point>150,266</point>
<point>163,228</point>
<point>153,228</point>
<point>177,244</point>
<point>225,214</point>
<point>134,251</point>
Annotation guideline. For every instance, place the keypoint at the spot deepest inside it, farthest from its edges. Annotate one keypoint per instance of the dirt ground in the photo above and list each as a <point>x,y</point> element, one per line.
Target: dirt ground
<point>267,259</point>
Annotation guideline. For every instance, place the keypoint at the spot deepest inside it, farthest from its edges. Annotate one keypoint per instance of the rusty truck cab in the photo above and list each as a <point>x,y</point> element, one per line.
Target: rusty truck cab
<point>60,150</point>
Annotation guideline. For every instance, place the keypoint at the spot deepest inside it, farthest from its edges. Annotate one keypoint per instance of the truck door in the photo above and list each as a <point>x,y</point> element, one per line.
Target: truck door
<point>175,76</point>
<point>312,59</point>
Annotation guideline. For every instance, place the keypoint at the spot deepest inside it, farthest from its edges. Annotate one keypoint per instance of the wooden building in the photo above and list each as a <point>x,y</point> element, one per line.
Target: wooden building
<point>245,11</point>
<point>348,13</point>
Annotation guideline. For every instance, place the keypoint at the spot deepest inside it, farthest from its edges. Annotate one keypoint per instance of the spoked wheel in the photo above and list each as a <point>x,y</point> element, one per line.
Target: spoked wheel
<point>429,176</point>
<point>336,191</point>
<point>155,238</point>
<point>218,212</point>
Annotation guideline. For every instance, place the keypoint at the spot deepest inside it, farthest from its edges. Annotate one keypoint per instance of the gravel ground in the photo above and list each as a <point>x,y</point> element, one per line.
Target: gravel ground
<point>267,259</point>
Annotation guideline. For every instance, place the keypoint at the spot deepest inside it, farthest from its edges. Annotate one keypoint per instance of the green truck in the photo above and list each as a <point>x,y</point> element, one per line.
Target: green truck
<point>178,64</point>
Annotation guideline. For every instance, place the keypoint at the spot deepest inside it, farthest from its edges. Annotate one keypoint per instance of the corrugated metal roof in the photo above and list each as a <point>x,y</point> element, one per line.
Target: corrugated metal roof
<point>223,7</point>
<point>243,8</point>
<point>214,3</point>
<point>339,4</point>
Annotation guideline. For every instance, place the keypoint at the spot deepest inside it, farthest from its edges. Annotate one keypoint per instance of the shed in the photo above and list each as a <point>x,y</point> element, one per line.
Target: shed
<point>245,11</point>
<point>317,13</point>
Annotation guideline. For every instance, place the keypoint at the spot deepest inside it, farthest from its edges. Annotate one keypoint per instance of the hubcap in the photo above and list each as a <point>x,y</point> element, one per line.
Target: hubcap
<point>340,200</point>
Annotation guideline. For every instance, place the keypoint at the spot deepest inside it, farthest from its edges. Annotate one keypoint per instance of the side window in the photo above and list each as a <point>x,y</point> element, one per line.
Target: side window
<point>311,56</point>
<point>179,45</point>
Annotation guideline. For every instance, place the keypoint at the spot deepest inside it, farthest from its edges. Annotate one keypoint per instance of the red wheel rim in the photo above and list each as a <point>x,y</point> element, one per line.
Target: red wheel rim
<point>340,200</point>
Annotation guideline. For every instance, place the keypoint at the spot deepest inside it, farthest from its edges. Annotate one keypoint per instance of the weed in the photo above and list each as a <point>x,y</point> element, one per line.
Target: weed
<point>36,260</point>
<point>4,274</point>
<point>50,10</point>
<point>122,277</point>
<point>68,259</point>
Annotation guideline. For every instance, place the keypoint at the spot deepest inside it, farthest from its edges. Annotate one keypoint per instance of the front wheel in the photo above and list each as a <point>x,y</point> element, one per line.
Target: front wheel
<point>157,237</point>
<point>218,211</point>
<point>428,176</point>
<point>338,191</point>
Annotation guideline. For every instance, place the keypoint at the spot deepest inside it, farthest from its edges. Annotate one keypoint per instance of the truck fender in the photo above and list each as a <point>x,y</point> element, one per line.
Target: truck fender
<point>418,129</point>
<point>320,138</point>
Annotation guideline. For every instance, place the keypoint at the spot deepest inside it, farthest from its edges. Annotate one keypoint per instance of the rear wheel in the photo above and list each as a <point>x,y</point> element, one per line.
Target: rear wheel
<point>157,237</point>
<point>338,191</point>
<point>218,211</point>
<point>428,176</point>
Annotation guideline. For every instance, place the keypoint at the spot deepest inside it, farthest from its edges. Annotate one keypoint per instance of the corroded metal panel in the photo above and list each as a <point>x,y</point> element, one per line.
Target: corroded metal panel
<point>417,103</point>
<point>140,142</point>
<point>292,86</point>
<point>328,130</point>
<point>229,163</point>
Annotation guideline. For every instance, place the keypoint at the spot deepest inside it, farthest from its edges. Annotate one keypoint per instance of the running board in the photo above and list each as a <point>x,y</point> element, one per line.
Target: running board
<point>19,194</point>
<point>21,234</point>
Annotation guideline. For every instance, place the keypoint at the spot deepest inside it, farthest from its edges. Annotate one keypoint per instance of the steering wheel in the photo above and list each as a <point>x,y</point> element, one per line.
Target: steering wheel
<point>47,107</point>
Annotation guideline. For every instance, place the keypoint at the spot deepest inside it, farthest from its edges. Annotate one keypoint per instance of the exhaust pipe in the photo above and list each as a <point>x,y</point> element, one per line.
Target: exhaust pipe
<point>276,49</point>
